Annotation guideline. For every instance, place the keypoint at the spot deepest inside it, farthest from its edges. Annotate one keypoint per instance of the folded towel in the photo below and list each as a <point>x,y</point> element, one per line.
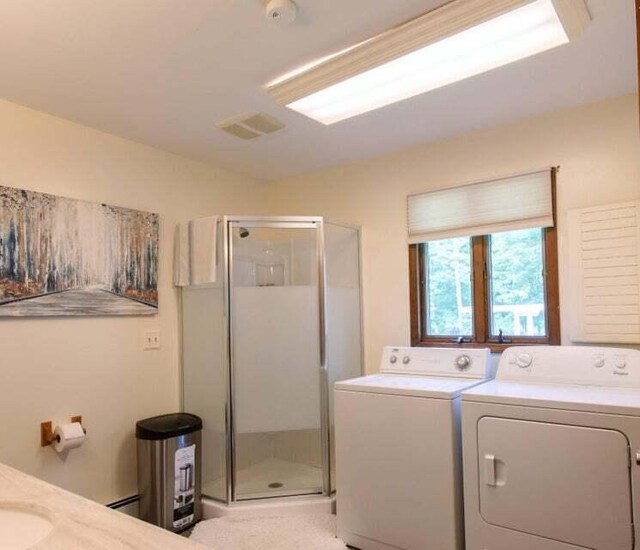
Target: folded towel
<point>181,263</point>
<point>202,240</point>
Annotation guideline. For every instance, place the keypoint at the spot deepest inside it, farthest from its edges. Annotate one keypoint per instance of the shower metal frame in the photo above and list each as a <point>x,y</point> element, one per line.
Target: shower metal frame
<point>281,222</point>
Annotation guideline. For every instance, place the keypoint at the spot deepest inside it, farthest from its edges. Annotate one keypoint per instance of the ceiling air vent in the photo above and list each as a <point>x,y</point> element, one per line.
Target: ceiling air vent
<point>250,126</point>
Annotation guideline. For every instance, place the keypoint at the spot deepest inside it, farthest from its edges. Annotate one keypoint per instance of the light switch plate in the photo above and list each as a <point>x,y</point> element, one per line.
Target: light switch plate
<point>151,340</point>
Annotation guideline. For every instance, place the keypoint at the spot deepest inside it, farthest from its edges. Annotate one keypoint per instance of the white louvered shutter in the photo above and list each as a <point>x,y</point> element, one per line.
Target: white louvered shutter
<point>605,273</point>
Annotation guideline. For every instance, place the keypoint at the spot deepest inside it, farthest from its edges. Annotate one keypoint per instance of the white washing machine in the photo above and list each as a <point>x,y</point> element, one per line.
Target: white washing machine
<point>398,464</point>
<point>552,451</point>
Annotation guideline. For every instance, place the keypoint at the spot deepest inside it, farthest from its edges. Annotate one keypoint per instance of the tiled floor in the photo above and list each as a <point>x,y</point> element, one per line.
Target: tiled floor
<point>283,476</point>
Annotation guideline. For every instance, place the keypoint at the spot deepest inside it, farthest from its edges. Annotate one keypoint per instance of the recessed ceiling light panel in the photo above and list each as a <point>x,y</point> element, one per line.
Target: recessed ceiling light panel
<point>459,40</point>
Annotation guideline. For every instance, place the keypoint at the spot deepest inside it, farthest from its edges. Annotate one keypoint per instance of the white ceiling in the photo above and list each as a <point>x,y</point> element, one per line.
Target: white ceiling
<point>164,72</point>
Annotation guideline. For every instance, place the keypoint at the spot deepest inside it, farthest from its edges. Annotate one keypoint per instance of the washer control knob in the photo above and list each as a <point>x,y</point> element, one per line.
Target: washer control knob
<point>393,359</point>
<point>598,361</point>
<point>621,362</point>
<point>524,360</point>
<point>463,362</point>
<point>406,360</point>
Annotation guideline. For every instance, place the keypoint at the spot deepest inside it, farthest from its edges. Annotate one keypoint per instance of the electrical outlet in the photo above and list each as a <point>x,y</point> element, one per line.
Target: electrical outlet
<point>151,340</point>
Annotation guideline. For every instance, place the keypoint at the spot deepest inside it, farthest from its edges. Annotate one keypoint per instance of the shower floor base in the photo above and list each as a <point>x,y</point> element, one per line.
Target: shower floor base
<point>271,478</point>
<point>280,506</point>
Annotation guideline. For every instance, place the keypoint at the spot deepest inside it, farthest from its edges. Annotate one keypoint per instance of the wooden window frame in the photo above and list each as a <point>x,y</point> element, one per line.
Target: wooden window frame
<point>481,301</point>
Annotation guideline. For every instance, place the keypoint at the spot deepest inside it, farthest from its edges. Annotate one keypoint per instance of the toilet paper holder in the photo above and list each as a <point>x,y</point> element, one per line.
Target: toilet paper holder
<point>46,431</point>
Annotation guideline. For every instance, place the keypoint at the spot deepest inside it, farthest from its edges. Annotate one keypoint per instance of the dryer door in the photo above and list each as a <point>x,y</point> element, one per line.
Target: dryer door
<point>564,483</point>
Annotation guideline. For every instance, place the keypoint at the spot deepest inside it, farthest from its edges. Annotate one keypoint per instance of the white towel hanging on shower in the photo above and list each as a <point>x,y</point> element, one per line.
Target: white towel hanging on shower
<point>202,237</point>
<point>181,260</point>
<point>195,252</point>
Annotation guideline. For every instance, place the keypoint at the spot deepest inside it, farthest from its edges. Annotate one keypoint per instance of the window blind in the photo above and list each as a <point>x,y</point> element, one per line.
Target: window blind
<point>506,204</point>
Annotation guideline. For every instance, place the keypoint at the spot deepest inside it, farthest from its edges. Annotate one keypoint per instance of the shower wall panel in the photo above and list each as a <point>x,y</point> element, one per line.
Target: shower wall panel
<point>204,376</point>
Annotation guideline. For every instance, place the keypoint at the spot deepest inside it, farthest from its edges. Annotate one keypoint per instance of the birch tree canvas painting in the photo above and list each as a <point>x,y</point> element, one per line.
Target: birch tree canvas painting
<point>61,256</point>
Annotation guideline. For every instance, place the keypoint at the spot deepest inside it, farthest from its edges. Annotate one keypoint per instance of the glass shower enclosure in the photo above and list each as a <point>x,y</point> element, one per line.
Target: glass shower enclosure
<point>261,349</point>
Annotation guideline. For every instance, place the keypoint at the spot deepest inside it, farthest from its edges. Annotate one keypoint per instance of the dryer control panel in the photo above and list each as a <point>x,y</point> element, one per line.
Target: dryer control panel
<point>446,362</point>
<point>580,365</point>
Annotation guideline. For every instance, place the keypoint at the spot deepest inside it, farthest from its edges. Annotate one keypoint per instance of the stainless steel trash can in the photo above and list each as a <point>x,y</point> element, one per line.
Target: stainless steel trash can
<point>169,470</point>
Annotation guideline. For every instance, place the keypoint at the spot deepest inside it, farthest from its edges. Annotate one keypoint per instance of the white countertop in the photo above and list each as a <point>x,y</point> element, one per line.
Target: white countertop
<point>79,523</point>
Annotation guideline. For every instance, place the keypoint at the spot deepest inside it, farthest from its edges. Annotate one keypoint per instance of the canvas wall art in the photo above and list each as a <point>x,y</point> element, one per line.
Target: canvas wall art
<point>61,256</point>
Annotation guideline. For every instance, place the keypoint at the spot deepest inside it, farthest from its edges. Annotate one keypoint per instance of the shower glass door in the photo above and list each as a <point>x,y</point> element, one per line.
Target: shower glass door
<point>279,439</point>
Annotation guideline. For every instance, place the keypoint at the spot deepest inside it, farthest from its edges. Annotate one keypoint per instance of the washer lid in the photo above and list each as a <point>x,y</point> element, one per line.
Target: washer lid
<point>415,386</point>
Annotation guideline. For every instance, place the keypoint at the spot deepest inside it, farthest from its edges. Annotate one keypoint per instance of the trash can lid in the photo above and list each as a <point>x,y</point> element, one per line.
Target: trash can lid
<point>167,426</point>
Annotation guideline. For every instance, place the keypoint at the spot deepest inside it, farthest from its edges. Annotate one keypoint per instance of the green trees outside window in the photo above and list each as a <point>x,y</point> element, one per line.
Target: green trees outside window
<point>495,289</point>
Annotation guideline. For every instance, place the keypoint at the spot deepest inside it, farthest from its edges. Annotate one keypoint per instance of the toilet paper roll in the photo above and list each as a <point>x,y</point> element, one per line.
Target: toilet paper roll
<point>68,436</point>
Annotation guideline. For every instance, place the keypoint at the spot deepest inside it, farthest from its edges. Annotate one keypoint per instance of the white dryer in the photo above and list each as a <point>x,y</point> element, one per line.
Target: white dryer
<point>552,451</point>
<point>398,464</point>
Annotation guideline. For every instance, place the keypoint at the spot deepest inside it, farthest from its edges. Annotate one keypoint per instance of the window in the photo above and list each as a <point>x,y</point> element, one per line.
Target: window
<point>516,280</point>
<point>447,298</point>
<point>492,290</point>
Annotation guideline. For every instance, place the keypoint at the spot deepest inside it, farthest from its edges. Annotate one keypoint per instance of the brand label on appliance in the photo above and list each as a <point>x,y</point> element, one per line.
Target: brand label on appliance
<point>184,486</point>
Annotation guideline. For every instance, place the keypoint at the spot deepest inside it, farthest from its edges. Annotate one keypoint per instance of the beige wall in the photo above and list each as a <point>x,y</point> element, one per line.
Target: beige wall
<point>55,368</point>
<point>597,147</point>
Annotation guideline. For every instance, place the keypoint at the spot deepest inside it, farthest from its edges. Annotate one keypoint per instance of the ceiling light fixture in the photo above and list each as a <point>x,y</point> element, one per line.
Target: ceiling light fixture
<point>459,40</point>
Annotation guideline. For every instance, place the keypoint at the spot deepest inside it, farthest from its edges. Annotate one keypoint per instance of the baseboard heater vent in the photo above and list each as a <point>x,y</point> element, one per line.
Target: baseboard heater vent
<point>124,502</point>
